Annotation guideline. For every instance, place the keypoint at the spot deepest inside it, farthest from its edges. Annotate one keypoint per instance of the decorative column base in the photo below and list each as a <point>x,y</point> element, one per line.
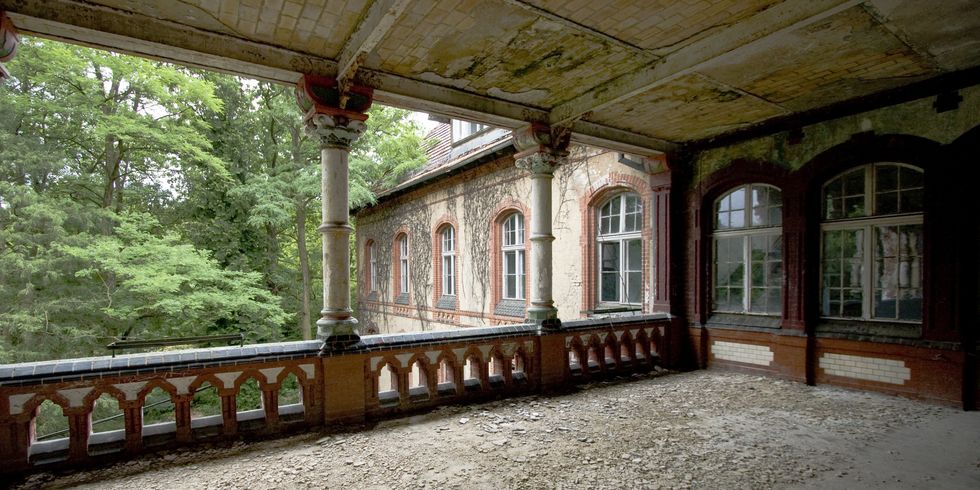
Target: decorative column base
<point>545,318</point>
<point>337,335</point>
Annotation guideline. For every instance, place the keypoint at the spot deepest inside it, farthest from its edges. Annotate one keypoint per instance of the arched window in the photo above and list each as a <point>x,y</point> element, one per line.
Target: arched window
<point>403,264</point>
<point>513,256</point>
<point>448,252</point>
<point>748,251</point>
<point>871,247</point>
<point>620,250</point>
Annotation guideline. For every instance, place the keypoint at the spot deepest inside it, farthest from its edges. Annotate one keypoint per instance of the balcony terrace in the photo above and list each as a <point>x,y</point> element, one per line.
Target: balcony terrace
<point>701,429</point>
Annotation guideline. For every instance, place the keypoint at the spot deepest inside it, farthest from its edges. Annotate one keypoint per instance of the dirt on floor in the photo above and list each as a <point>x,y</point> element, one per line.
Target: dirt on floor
<point>704,429</point>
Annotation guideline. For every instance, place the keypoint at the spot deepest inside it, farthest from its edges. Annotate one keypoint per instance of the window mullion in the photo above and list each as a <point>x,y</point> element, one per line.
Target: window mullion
<point>867,272</point>
<point>746,273</point>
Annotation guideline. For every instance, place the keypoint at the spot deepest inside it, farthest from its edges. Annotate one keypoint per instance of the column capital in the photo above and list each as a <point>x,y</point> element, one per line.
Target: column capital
<point>539,163</point>
<point>333,131</point>
<point>541,148</point>
<point>8,42</point>
<point>335,126</point>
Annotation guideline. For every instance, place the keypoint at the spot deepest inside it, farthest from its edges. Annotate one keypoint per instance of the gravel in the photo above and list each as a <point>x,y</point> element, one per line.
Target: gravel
<point>703,429</point>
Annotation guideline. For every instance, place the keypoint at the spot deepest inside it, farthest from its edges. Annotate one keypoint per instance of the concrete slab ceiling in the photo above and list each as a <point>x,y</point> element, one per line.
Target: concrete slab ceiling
<point>634,75</point>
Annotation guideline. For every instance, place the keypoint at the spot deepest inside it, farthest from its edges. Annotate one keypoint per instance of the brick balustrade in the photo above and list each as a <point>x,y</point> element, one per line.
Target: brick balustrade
<point>383,375</point>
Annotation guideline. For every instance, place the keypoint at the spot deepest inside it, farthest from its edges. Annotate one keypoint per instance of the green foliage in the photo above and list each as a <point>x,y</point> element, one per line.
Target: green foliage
<point>141,199</point>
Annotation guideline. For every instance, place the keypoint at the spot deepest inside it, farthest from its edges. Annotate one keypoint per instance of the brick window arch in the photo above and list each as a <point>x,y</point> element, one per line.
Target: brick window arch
<point>616,215</point>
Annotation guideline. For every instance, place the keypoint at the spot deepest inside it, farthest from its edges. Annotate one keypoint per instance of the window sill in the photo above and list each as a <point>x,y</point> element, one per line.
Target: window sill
<point>869,328</point>
<point>745,320</point>
<point>607,311</point>
<point>446,302</point>
<point>516,308</point>
<point>401,299</point>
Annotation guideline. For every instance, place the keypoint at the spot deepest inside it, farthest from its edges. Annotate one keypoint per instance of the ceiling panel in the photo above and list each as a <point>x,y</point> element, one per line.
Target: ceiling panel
<point>688,108</point>
<point>844,56</point>
<point>495,48</point>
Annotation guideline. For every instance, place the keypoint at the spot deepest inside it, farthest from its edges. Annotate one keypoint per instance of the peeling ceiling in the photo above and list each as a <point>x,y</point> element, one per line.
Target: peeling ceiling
<point>634,75</point>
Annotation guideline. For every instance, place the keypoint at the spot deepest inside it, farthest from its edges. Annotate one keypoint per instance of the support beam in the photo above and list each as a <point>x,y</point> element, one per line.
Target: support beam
<point>541,149</point>
<point>372,29</point>
<point>787,16</point>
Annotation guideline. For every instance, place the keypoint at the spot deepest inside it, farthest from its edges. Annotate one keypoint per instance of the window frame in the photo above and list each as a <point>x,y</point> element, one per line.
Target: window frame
<point>868,224</point>
<point>403,283</point>
<point>516,248</point>
<point>623,239</point>
<point>447,252</point>
<point>745,234</point>
<point>372,267</point>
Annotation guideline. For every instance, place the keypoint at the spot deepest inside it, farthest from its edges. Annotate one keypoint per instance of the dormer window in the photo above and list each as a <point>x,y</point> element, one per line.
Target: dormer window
<point>464,129</point>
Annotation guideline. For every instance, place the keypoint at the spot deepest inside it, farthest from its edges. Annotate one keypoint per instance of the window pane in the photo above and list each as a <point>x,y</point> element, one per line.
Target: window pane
<point>774,305</point>
<point>887,203</point>
<point>738,199</point>
<point>610,286</point>
<point>910,178</point>
<point>832,198</point>
<point>760,206</point>
<point>898,272</point>
<point>634,287</point>
<point>841,275</point>
<point>886,178</point>
<point>510,263</point>
<point>723,221</point>
<point>911,201</point>
<point>511,289</point>
<point>737,219</point>
<point>610,257</point>
<point>634,255</point>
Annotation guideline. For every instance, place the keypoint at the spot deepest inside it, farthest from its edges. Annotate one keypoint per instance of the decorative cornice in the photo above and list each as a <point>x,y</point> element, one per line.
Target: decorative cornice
<point>334,131</point>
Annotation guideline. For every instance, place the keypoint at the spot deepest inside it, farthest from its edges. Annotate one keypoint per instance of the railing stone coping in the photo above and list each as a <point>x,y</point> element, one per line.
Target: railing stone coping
<point>57,371</point>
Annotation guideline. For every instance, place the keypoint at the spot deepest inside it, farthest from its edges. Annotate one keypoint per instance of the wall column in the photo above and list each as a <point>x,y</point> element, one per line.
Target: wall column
<point>335,129</point>
<point>540,150</point>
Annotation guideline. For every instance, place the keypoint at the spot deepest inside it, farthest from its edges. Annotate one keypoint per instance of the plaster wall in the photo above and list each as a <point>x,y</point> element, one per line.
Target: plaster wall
<point>471,201</point>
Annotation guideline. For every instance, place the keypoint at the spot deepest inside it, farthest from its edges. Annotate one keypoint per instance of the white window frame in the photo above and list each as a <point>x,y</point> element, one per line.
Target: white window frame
<point>868,224</point>
<point>512,230</point>
<point>373,261</point>
<point>623,238</point>
<point>403,264</point>
<point>745,232</point>
<point>465,129</point>
<point>448,252</point>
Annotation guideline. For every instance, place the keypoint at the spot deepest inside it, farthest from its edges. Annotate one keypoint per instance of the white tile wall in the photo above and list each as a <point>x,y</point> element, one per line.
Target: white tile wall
<point>869,368</point>
<point>749,353</point>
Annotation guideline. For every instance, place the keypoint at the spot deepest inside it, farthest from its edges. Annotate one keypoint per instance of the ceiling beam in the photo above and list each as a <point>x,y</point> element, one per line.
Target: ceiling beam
<point>126,32</point>
<point>733,41</point>
<point>369,32</point>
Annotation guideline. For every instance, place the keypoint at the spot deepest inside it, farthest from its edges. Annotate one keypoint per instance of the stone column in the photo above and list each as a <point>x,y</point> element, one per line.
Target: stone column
<point>336,327</point>
<point>540,151</point>
<point>335,128</point>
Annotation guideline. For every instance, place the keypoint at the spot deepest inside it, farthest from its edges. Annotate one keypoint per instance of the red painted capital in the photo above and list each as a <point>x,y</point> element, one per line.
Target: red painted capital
<point>321,95</point>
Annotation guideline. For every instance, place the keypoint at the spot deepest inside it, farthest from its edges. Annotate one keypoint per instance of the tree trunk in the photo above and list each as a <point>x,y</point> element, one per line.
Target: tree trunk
<point>304,267</point>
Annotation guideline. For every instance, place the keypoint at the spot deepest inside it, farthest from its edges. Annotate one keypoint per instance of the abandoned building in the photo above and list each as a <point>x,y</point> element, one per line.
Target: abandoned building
<point>779,187</point>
